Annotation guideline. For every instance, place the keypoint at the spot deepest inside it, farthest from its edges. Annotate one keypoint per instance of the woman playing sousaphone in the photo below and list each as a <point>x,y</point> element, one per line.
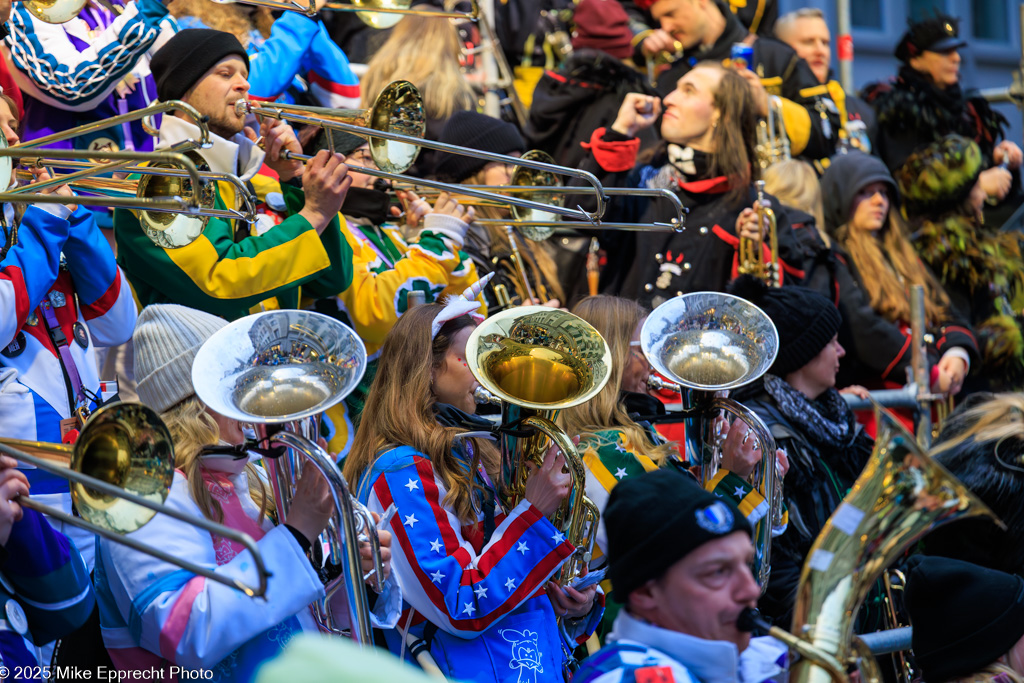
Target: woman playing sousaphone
<point>617,435</point>
<point>153,616</point>
<point>471,571</point>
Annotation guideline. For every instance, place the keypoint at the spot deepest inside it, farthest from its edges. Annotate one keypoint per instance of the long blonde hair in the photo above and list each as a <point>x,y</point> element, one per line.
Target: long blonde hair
<point>795,184</point>
<point>192,428</point>
<point>888,266</point>
<point>231,18</point>
<point>399,409</point>
<point>424,51</point>
<point>616,319</point>
<point>993,673</point>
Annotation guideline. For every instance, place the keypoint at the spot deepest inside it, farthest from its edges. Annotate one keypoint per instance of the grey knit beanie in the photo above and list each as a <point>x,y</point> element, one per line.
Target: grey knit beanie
<point>167,337</point>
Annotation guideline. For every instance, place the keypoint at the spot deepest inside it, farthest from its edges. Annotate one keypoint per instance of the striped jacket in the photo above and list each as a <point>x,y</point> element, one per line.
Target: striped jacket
<point>44,575</point>
<point>479,605</point>
<point>154,614</point>
<point>34,395</point>
<point>90,68</point>
<point>639,652</point>
<point>224,272</point>
<point>298,56</point>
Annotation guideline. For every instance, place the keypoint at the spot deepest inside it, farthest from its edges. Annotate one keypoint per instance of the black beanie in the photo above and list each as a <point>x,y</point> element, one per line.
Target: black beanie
<point>687,518</point>
<point>344,142</point>
<point>806,321</point>
<point>964,616</point>
<point>476,131</point>
<point>189,54</point>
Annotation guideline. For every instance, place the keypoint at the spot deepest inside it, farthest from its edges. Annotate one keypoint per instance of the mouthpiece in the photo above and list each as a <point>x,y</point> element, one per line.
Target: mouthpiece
<point>750,619</point>
<point>243,107</point>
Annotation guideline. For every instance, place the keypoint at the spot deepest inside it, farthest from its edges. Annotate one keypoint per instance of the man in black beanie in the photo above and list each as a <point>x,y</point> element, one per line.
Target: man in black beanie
<point>809,419</point>
<point>679,558</point>
<point>232,266</point>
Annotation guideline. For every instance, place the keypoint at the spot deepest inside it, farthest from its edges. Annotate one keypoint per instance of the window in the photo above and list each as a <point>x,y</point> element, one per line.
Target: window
<point>990,20</point>
<point>926,9</point>
<point>866,14</point>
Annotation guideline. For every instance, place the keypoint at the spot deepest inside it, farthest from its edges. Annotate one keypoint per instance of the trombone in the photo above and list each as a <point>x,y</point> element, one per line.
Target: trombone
<point>129,452</point>
<point>539,225</point>
<point>157,195</point>
<point>400,108</point>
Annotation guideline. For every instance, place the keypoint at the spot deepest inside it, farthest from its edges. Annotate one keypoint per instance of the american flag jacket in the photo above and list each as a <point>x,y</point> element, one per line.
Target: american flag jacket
<point>479,605</point>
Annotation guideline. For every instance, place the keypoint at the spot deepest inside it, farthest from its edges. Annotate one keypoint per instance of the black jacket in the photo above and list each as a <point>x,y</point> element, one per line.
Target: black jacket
<point>772,59</point>
<point>654,266</point>
<point>571,103</point>
<point>817,481</point>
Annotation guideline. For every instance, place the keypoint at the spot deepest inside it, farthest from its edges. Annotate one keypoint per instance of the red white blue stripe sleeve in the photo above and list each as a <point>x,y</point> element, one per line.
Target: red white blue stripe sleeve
<point>462,591</point>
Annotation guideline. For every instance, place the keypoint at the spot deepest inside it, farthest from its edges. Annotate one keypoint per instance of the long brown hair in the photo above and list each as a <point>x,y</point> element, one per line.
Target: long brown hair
<point>424,51</point>
<point>540,265</point>
<point>191,429</point>
<point>735,136</point>
<point>888,266</point>
<point>399,409</point>
<point>616,319</point>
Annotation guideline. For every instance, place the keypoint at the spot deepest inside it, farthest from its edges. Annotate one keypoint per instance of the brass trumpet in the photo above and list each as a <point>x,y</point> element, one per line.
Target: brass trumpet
<point>752,259</point>
<point>120,470</point>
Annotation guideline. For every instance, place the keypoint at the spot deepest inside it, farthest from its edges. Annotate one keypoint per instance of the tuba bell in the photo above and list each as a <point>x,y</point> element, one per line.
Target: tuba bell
<point>901,495</point>
<point>537,361</point>
<point>709,342</point>
<point>277,371</point>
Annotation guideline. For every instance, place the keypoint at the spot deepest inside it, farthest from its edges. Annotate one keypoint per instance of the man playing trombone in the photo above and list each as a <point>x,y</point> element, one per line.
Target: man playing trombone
<point>231,268</point>
<point>62,295</point>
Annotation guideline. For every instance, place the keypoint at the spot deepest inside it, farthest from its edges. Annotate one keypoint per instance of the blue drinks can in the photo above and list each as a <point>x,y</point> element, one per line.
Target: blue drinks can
<point>742,56</point>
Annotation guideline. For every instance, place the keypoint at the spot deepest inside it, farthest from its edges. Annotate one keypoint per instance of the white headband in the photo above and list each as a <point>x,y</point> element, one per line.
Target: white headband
<point>460,305</point>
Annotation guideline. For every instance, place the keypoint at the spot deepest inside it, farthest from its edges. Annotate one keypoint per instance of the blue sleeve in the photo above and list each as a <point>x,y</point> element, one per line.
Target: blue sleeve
<point>90,259</point>
<point>47,573</point>
<point>330,75</point>
<point>29,268</point>
<point>276,63</point>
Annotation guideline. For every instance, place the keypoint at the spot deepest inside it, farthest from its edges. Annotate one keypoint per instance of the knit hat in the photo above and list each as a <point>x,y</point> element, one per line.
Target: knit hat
<point>476,131</point>
<point>938,34</point>
<point>687,517</point>
<point>166,339</point>
<point>189,54</point>
<point>602,25</point>
<point>987,610</point>
<point>344,142</point>
<point>806,321</point>
<point>940,176</point>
